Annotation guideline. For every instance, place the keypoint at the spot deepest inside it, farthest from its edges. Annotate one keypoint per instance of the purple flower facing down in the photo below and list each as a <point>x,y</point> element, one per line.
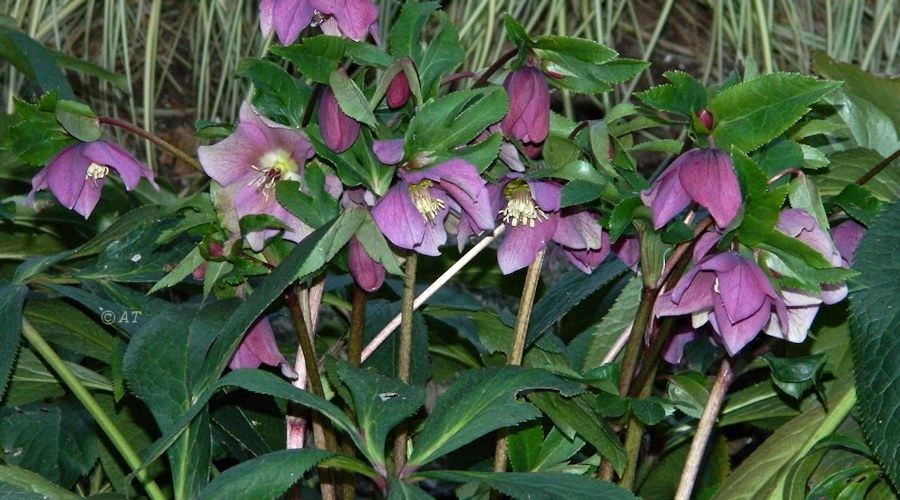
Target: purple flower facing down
<point>339,131</point>
<point>366,272</point>
<point>77,174</point>
<point>803,305</point>
<point>705,176</point>
<point>846,236</point>
<point>732,293</point>
<point>259,348</point>
<point>528,118</point>
<point>249,163</point>
<point>287,18</point>
<point>628,250</point>
<point>411,214</point>
<point>530,209</point>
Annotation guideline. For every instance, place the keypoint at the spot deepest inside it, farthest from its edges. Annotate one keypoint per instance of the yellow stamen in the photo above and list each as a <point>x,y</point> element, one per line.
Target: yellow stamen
<point>96,172</point>
<point>521,209</point>
<point>426,204</point>
<point>273,167</point>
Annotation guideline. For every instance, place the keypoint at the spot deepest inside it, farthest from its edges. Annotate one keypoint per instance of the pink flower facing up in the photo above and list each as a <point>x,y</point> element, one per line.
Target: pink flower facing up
<point>249,163</point>
<point>77,174</point>
<point>412,213</point>
<point>528,118</point>
<point>531,212</point>
<point>732,293</point>
<point>705,176</point>
<point>348,18</point>
<point>339,131</point>
<point>803,305</point>
<point>259,348</point>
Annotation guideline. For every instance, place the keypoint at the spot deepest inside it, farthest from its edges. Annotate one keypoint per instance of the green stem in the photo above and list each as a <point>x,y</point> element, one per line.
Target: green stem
<point>878,168</point>
<point>517,351</point>
<point>90,404</point>
<point>357,325</point>
<point>488,73</point>
<point>155,139</point>
<point>404,355</point>
<point>636,339</point>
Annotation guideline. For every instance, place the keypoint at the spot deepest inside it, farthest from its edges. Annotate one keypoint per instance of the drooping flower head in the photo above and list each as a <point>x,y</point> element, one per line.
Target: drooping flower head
<point>248,164</point>
<point>732,293</point>
<point>705,176</point>
<point>339,131</point>
<point>412,213</point>
<point>368,273</point>
<point>77,174</point>
<point>528,118</point>
<point>287,18</point>
<point>258,347</point>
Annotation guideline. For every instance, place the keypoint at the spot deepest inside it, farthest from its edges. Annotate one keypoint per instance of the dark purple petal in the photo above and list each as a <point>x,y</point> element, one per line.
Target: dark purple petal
<point>588,260</point>
<point>682,336</point>
<point>366,272</point>
<point>435,235</point>
<point>521,243</point>
<point>547,194</point>
<point>628,250</point>
<point>743,286</point>
<point>846,236</point>
<point>477,211</point>
<point>389,152</point>
<point>114,157</point>
<point>398,219</point>
<point>288,17</point>
<point>528,118</point>
<point>258,347</point>
<point>456,171</point>
<point>580,231</point>
<point>708,177</point>
<point>339,131</point>
<point>248,200</point>
<point>353,17</point>
<point>706,242</point>
<point>736,335</point>
<point>665,197</point>
<point>65,175</point>
<point>510,156</point>
<point>398,91</point>
<point>693,293</point>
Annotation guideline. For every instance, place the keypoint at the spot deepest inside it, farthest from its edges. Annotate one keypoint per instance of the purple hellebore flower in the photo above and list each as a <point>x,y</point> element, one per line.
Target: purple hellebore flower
<point>803,305</point>
<point>628,250</point>
<point>846,236</point>
<point>732,293</point>
<point>348,18</point>
<point>339,131</point>
<point>398,91</point>
<point>531,212</point>
<point>528,118</point>
<point>248,163</point>
<point>390,151</point>
<point>77,173</point>
<point>705,176</point>
<point>259,347</point>
<point>366,271</point>
<point>411,214</point>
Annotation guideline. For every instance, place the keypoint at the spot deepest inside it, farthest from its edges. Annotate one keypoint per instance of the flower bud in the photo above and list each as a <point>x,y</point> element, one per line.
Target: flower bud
<point>528,118</point>
<point>366,272</point>
<point>398,91</point>
<point>339,131</point>
<point>706,118</point>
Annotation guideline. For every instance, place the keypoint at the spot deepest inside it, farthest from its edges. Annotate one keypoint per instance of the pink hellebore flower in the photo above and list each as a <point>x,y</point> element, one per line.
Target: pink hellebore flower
<point>705,176</point>
<point>248,164</point>
<point>77,173</point>
<point>803,305</point>
<point>531,212</point>
<point>348,18</point>
<point>411,214</point>
<point>528,119</point>
<point>259,347</point>
<point>366,272</point>
<point>729,291</point>
<point>846,236</point>
<point>339,131</point>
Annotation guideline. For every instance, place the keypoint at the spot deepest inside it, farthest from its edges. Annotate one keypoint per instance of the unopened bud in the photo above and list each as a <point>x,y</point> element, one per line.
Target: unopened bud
<point>706,118</point>
<point>398,91</point>
<point>339,131</point>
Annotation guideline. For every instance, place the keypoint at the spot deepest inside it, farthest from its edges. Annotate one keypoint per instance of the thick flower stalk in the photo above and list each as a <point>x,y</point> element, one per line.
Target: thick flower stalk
<point>730,292</point>
<point>248,164</point>
<point>705,176</point>
<point>287,18</point>
<point>533,218</point>
<point>77,174</point>
<point>412,213</point>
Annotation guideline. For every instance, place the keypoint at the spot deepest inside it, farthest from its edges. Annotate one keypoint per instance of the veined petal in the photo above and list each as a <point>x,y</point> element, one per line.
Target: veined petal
<point>353,17</point>
<point>289,17</point>
<point>580,231</point>
<point>708,178</point>
<point>398,218</point>
<point>66,175</point>
<point>389,152</point>
<point>547,194</point>
<point>799,321</point>
<point>521,243</point>
<point>846,236</point>
<point>735,335</point>
<point>742,285</point>
<point>665,197</point>
<point>114,157</point>
<point>693,293</point>
<point>587,260</point>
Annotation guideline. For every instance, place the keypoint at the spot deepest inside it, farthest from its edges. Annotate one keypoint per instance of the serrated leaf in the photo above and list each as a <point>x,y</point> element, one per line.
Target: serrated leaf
<point>12,300</point>
<point>357,165</point>
<point>401,490</point>
<point>579,192</point>
<point>351,99</point>
<point>315,57</point>
<point>805,195</point>
<point>883,92</point>
<point>848,166</point>
<point>537,485</point>
<point>22,484</point>
<point>455,119</point>
<point>875,321</point>
<point>604,333</point>
<point>443,54</point>
<point>267,476</point>
<point>479,402</point>
<point>523,446</point>
<point>278,95</point>
<point>78,120</point>
<point>684,96</point>
<point>313,204</point>
<point>754,112</point>
<point>181,271</point>
<point>406,30</point>
<point>859,202</point>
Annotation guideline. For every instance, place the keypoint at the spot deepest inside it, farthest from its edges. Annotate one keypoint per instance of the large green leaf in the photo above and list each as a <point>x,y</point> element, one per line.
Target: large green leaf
<point>537,485</point>
<point>754,112</point>
<point>12,298</point>
<point>875,324</point>
<point>279,96</point>
<point>884,92</point>
<point>455,119</point>
<point>406,30</point>
<point>442,55</point>
<point>684,96</point>
<point>22,484</point>
<point>32,59</point>
<point>479,402</point>
<point>68,327</point>
<point>604,334</point>
<point>267,476</point>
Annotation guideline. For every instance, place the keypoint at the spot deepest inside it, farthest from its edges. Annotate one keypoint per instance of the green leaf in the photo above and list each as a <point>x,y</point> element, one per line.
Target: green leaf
<point>357,165</point>
<point>556,449</point>
<point>579,192</point>
<point>775,157</point>
<point>181,271</point>
<point>351,99</point>
<point>568,292</point>
<point>754,112</point>
<point>621,216</point>
<point>684,96</point>
<point>480,155</point>
<point>604,333</point>
<point>57,441</point>
<point>314,205</point>
<point>443,54</point>
<point>479,402</point>
<point>375,244</point>
<point>379,403</point>
<point>848,166</point>
<point>875,323</point>
<point>400,490</point>
<point>278,96</point>
<point>315,57</point>
<point>883,92</point>
<point>22,484</point>
<point>523,445</point>
<point>536,485</point>
<point>795,375</point>
<point>805,195</point>
<point>868,125</point>
<point>78,120</point>
<point>37,136</point>
<point>516,32</point>
<point>455,119</point>
<point>12,299</point>
<point>267,476</point>
<point>575,416</point>
<point>33,60</point>
<point>132,419</point>
<point>406,30</point>
<point>860,203</point>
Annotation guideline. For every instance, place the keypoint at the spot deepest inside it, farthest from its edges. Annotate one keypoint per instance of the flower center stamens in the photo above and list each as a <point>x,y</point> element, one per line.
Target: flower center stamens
<point>96,172</point>
<point>426,204</point>
<point>521,209</point>
<point>274,166</point>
